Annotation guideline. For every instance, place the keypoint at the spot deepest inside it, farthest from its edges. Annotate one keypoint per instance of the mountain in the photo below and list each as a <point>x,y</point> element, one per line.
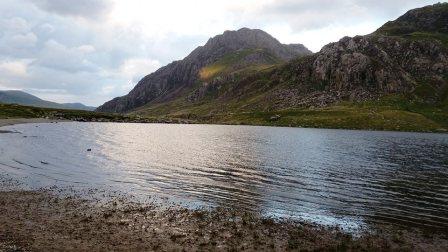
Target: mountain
<point>396,77</point>
<point>245,50</point>
<point>22,98</point>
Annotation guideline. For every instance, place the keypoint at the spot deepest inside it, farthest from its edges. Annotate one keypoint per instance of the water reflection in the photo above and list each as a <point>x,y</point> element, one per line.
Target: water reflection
<point>329,176</point>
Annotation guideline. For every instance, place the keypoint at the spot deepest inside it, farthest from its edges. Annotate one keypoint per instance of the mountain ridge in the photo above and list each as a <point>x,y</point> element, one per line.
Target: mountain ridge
<point>182,74</point>
<point>23,98</point>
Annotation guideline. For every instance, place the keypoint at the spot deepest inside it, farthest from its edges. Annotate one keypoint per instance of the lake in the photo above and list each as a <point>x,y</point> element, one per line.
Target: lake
<point>342,177</point>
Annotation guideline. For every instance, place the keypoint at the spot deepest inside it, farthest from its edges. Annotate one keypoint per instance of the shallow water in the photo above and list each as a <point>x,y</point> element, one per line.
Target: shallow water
<point>349,178</point>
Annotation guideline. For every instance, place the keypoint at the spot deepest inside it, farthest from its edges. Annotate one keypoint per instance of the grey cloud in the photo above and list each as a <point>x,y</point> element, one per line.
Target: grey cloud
<point>23,40</point>
<point>15,24</point>
<point>295,7</point>
<point>69,58</point>
<point>311,14</point>
<point>16,37</point>
<point>57,56</point>
<point>83,8</point>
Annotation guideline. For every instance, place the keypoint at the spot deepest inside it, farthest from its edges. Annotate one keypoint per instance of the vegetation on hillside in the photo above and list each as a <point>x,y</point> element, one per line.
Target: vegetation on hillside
<point>19,111</point>
<point>226,65</point>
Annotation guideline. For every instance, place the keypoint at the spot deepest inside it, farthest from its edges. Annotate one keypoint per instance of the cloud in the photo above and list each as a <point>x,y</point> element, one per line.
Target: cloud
<point>91,9</point>
<point>13,68</point>
<point>137,68</point>
<point>60,57</point>
<point>23,40</point>
<point>316,23</point>
<point>16,37</point>
<point>307,14</point>
<point>15,24</point>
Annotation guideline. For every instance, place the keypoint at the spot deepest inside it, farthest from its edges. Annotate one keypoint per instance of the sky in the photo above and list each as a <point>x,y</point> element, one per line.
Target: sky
<point>90,51</point>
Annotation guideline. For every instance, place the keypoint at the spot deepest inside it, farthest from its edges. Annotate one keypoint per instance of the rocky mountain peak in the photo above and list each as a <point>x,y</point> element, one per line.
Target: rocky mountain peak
<point>243,38</point>
<point>246,38</point>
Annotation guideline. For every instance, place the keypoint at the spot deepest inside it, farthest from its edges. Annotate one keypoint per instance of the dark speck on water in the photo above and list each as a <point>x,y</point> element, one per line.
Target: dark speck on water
<point>8,132</point>
<point>342,177</point>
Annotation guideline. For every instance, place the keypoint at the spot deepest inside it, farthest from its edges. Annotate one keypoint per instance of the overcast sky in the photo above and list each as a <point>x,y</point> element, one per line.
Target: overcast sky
<point>93,50</point>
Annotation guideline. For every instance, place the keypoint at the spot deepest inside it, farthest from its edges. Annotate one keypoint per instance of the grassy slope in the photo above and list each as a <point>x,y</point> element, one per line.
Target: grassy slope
<point>391,113</point>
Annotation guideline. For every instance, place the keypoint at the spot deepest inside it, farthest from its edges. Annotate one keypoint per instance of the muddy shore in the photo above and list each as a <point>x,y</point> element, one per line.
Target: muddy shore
<point>45,220</point>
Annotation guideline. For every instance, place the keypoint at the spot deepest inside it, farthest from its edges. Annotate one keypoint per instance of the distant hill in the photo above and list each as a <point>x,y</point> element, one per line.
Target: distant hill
<point>22,98</point>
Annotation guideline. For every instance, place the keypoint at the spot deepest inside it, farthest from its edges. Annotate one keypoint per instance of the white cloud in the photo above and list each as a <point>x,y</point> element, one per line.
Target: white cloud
<point>14,68</point>
<point>79,8</point>
<point>46,28</point>
<point>139,67</point>
<point>86,49</point>
<point>15,24</point>
<point>58,56</point>
<point>23,40</point>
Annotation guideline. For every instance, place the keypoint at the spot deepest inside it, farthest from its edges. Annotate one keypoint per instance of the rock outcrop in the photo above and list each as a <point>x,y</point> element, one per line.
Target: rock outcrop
<point>362,68</point>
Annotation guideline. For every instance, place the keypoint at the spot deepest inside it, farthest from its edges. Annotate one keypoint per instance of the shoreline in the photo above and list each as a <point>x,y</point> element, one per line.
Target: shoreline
<point>15,121</point>
<point>45,220</point>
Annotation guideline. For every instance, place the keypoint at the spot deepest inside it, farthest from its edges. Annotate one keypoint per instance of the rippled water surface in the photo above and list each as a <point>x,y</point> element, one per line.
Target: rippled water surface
<point>329,176</point>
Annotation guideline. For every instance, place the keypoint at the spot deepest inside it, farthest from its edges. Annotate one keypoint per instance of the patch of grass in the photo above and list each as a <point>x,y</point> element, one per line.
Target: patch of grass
<point>224,65</point>
<point>397,113</point>
<point>211,71</point>
<point>442,37</point>
<point>342,117</point>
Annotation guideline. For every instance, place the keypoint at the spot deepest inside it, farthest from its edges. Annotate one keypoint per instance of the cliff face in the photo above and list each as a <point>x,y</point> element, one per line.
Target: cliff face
<point>363,68</point>
<point>174,79</point>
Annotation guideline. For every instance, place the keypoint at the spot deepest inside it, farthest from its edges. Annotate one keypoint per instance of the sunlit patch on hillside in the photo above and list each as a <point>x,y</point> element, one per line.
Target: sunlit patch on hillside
<point>225,64</point>
<point>211,71</point>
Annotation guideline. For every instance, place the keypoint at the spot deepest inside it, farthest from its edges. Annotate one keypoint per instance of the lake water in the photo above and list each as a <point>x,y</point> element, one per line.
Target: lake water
<point>329,176</point>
